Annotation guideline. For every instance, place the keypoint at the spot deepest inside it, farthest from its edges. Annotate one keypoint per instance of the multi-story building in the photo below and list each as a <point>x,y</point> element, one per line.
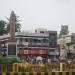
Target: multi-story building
<point>53,53</point>
<point>41,43</point>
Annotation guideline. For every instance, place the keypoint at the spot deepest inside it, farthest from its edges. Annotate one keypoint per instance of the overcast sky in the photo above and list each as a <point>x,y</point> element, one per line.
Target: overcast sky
<point>49,14</point>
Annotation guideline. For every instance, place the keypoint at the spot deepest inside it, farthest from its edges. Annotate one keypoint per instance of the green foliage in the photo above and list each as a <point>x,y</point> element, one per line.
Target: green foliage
<point>5,26</point>
<point>24,68</point>
<point>27,69</point>
<point>42,68</point>
<point>20,69</point>
<point>4,60</point>
<point>17,27</point>
<point>2,27</point>
<point>12,60</point>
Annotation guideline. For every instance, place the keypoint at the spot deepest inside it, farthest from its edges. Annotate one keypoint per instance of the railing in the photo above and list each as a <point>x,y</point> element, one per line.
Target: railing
<point>20,69</point>
<point>38,73</point>
<point>26,67</point>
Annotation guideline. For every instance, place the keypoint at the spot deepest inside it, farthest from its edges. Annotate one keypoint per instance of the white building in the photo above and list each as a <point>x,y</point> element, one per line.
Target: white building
<point>38,43</point>
<point>67,44</point>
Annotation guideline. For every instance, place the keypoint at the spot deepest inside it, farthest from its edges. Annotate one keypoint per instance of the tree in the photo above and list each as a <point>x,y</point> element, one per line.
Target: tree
<point>2,27</point>
<point>18,25</point>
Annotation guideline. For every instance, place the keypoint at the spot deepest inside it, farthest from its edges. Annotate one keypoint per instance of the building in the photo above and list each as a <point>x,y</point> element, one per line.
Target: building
<point>64,30</point>
<point>53,53</point>
<point>67,46</point>
<point>41,43</point>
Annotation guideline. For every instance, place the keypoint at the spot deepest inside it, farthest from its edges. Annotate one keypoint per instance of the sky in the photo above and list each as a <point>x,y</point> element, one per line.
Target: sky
<point>47,14</point>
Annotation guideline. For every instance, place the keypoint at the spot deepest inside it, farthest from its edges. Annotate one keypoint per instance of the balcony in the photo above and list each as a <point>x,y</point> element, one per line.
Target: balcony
<point>53,53</point>
<point>25,44</point>
<point>38,44</point>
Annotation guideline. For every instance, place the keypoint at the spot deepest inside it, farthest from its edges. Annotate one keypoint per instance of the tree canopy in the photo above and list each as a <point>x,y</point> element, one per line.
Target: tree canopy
<point>5,26</point>
<point>18,25</point>
<point>2,27</point>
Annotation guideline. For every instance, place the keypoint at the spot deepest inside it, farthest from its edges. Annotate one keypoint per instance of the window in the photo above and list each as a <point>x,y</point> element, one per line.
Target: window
<point>73,47</point>
<point>20,42</point>
<point>26,40</point>
<point>52,44</point>
<point>39,41</point>
<point>42,32</point>
<point>45,40</point>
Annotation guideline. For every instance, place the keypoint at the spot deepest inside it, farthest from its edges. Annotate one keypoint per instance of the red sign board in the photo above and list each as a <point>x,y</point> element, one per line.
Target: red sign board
<point>32,51</point>
<point>21,52</point>
<point>37,52</point>
<point>43,52</point>
<point>25,51</point>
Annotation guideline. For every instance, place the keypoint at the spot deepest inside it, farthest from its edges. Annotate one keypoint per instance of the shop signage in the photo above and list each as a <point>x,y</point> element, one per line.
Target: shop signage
<point>32,52</point>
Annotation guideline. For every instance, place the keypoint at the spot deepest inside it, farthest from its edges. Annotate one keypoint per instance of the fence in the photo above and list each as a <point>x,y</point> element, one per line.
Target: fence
<point>38,73</point>
<point>26,67</point>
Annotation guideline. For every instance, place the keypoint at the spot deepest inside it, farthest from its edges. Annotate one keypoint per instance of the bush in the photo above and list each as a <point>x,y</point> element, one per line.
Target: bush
<point>4,60</point>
